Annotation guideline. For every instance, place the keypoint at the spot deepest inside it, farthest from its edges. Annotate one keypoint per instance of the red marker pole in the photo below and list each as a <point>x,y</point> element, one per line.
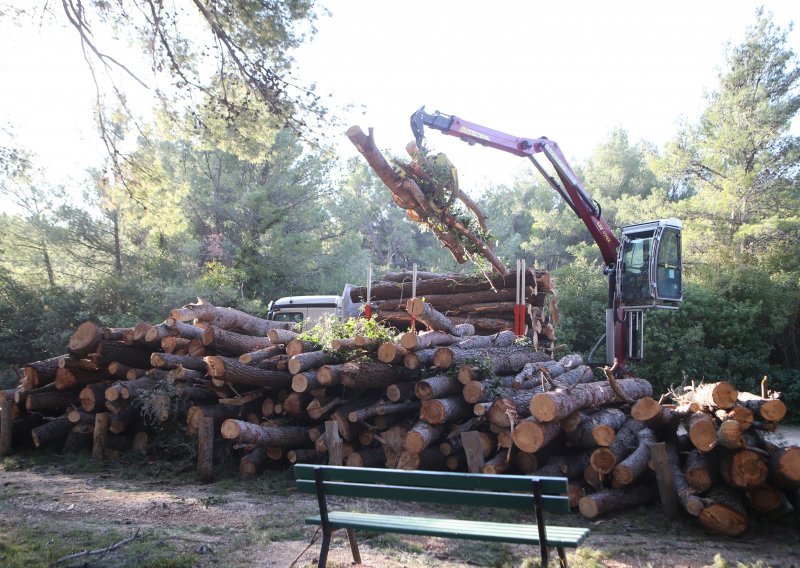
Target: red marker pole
<point>413,322</point>
<point>368,307</point>
<point>519,306</point>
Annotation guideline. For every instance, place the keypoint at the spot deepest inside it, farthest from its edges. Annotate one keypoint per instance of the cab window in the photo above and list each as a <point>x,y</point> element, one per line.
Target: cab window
<point>668,269</point>
<point>295,317</point>
<point>636,268</point>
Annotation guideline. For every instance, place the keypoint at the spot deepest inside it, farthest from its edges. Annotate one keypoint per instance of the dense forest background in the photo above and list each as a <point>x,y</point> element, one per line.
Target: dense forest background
<point>229,199</point>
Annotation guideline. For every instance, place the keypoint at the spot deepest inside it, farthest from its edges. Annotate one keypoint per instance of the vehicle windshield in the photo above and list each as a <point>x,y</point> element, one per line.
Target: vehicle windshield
<point>288,316</point>
<point>668,269</point>
<point>636,268</point>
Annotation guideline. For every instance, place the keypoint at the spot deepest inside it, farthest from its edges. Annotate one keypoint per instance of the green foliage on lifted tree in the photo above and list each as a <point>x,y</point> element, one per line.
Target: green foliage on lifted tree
<point>329,328</point>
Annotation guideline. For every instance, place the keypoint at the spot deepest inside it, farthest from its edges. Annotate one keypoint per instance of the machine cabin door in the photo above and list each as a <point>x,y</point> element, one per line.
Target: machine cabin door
<point>650,266</point>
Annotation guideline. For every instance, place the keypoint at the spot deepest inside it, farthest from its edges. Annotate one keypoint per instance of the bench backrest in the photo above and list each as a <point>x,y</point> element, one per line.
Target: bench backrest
<point>482,490</point>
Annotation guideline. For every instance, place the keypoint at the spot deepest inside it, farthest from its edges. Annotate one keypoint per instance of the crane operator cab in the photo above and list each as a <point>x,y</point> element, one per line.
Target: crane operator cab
<point>649,265</point>
<point>648,274</point>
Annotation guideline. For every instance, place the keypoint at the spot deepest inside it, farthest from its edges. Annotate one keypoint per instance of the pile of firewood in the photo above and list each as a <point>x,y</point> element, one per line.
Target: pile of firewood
<point>486,302</point>
<point>441,399</point>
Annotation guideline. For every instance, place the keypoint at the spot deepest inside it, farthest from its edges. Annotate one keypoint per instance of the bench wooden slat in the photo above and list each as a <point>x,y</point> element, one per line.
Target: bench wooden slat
<point>525,502</point>
<point>438,479</point>
<point>455,528</point>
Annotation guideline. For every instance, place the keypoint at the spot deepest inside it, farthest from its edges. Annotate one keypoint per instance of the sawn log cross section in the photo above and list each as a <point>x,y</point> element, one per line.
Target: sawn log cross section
<point>527,493</point>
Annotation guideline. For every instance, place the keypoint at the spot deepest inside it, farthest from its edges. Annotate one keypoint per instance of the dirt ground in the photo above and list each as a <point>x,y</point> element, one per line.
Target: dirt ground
<point>54,506</point>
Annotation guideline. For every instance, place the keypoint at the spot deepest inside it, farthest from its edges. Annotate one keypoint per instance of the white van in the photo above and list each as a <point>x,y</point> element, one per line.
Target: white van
<point>305,309</point>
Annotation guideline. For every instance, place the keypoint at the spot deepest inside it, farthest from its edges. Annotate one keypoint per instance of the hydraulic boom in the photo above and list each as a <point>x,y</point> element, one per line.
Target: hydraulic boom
<point>643,268</point>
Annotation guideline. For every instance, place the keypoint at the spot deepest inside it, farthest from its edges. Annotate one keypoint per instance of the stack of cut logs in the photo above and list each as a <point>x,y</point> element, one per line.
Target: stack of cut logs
<point>441,399</point>
<point>486,302</point>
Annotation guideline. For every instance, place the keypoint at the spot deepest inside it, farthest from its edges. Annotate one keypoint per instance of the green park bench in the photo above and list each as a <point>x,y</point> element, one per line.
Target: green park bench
<point>519,492</point>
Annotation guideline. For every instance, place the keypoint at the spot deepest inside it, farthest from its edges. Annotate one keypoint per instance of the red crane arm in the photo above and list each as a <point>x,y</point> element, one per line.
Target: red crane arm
<point>570,188</point>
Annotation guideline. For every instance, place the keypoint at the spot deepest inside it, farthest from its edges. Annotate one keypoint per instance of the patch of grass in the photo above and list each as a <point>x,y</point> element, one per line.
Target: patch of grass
<point>181,561</point>
<point>492,554</point>
<point>19,547</point>
<point>31,545</point>
<point>720,562</point>
<point>635,550</point>
<point>588,558</point>
<point>12,463</point>
<point>212,500</point>
<point>207,529</point>
<point>279,482</point>
<point>388,541</point>
<point>285,527</point>
<point>35,545</point>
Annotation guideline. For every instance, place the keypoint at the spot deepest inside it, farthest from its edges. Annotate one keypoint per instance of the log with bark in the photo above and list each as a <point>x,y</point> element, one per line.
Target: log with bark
<point>437,386</point>
<point>441,410</point>
<point>530,435</point>
<point>227,318</point>
<point>53,431</point>
<point>381,408</point>
<point>558,404</point>
<point>712,395</point>
<point>308,360</point>
<point>702,469</point>
<point>768,409</point>
<point>280,437</point>
<point>430,316</point>
<point>169,361</point>
<point>368,375</point>
<point>131,355</point>
<point>744,469</point>
<point>611,500</point>
<point>596,429</point>
<point>724,512</point>
<point>702,431</point>
<point>604,459</point>
<point>391,353</point>
<point>232,371</point>
<point>421,435</point>
<point>231,342</point>
<point>452,284</point>
<point>426,339</point>
<point>84,339</point>
<point>40,373</point>
<point>72,379</point>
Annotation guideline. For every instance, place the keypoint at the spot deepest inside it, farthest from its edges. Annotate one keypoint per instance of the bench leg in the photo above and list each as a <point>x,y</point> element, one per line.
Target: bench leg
<point>562,556</point>
<point>323,553</point>
<point>351,536</point>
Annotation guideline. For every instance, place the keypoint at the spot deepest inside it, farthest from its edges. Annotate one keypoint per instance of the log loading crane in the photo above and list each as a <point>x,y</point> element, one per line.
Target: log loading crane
<point>643,267</point>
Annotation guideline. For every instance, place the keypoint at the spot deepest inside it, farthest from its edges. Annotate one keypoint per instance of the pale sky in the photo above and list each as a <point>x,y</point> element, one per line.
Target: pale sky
<point>571,70</point>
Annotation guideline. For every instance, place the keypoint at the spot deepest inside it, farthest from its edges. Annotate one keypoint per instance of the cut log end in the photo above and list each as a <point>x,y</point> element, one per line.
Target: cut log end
<point>588,508</point>
<point>230,429</point>
<point>603,434</point>
<point>543,408</point>
<point>603,460</point>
